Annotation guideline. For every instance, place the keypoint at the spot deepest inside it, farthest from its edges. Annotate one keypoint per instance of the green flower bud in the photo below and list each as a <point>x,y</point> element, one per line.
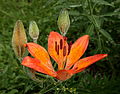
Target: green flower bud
<point>63,22</point>
<point>33,30</point>
<point>19,39</point>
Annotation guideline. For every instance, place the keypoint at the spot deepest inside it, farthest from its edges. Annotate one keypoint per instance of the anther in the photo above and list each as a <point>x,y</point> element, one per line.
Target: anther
<point>25,45</point>
<point>65,38</point>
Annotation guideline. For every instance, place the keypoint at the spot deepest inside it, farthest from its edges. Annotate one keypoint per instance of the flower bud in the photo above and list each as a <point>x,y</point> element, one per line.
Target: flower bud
<point>63,22</point>
<point>33,30</point>
<point>19,39</point>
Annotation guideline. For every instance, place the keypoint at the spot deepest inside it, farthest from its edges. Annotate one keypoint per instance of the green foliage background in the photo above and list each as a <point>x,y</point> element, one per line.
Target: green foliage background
<point>98,18</point>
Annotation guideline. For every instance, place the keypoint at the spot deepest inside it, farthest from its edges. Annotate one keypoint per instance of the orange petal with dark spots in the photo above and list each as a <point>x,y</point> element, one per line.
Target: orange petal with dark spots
<point>77,50</point>
<point>37,66</point>
<point>57,48</point>
<point>85,62</point>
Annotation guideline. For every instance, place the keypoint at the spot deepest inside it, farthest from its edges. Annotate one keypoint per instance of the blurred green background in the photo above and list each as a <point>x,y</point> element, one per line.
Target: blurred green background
<point>98,18</point>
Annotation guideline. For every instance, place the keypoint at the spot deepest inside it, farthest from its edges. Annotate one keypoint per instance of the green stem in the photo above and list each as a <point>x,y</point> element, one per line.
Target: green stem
<point>48,88</point>
<point>4,12</point>
<point>35,40</point>
<point>42,75</point>
<point>99,41</point>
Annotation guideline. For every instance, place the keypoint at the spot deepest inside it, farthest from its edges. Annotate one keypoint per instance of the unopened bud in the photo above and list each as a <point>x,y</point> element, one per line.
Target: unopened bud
<point>19,39</point>
<point>33,30</point>
<point>63,22</point>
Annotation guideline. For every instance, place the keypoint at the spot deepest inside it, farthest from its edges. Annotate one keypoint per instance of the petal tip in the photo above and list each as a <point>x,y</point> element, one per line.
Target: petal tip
<point>25,60</point>
<point>105,55</point>
<point>52,32</point>
<point>87,36</point>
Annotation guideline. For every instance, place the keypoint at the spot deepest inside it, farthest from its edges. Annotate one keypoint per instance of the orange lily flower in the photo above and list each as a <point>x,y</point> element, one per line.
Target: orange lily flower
<point>66,56</point>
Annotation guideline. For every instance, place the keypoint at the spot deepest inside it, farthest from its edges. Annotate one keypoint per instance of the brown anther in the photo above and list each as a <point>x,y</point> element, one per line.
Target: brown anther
<point>65,38</point>
<point>25,45</point>
<point>70,43</point>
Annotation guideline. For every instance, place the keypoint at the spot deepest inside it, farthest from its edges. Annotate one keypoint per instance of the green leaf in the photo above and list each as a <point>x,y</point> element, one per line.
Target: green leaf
<point>74,6</point>
<point>110,14</point>
<point>74,13</point>
<point>95,20</point>
<point>102,2</point>
<point>13,91</point>
<point>107,35</point>
<point>90,29</point>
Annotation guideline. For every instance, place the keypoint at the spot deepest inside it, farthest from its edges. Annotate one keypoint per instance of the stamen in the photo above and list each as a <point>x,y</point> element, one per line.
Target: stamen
<point>25,45</point>
<point>61,43</point>
<point>65,38</point>
<point>69,47</point>
<point>64,51</point>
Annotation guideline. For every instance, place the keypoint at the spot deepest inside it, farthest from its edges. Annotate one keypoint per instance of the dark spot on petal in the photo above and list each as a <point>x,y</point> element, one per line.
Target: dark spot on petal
<point>58,49</point>
<point>61,43</point>
<point>69,47</point>
<point>56,46</point>
<point>64,51</point>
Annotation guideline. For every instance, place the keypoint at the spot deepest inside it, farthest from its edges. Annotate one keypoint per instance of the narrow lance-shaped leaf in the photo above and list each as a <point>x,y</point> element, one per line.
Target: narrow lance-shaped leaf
<point>19,39</point>
<point>107,35</point>
<point>90,30</point>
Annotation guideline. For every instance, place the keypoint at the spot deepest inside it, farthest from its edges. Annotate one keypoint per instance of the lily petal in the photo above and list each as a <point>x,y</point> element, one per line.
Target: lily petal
<point>77,50</point>
<point>39,53</point>
<point>57,48</point>
<point>85,62</point>
<point>37,66</point>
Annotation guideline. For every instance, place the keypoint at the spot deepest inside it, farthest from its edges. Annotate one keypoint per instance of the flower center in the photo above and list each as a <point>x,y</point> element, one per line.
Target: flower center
<point>63,75</point>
